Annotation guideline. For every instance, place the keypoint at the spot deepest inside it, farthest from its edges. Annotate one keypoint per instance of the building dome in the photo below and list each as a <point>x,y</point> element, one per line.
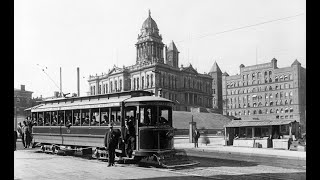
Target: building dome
<point>149,23</point>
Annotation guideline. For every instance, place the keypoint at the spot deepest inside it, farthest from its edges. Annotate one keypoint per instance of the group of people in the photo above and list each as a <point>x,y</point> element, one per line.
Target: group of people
<point>112,137</point>
<point>24,130</point>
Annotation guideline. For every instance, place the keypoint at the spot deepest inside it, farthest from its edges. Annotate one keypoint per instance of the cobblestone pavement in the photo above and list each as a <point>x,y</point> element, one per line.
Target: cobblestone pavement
<point>30,164</point>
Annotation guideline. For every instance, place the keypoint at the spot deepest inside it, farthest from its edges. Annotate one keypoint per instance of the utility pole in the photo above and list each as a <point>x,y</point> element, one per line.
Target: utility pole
<point>61,83</point>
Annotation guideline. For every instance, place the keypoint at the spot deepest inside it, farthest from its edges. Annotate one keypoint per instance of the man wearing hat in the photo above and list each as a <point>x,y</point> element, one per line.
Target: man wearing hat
<point>110,141</point>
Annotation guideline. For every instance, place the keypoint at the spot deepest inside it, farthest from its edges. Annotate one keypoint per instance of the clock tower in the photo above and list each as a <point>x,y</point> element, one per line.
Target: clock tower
<point>149,45</point>
<point>172,55</point>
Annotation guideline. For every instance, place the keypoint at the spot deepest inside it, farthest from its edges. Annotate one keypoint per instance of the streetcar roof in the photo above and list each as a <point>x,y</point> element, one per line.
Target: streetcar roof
<point>94,102</point>
<point>147,98</point>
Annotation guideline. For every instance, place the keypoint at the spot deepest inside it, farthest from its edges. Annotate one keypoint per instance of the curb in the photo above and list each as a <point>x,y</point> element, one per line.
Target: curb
<point>243,153</point>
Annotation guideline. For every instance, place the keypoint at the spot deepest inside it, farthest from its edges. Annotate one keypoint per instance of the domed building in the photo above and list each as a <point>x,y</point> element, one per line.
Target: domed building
<point>157,70</point>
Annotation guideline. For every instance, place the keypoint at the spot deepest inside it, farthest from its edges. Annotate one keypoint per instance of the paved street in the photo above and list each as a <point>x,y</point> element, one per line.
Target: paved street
<point>32,164</point>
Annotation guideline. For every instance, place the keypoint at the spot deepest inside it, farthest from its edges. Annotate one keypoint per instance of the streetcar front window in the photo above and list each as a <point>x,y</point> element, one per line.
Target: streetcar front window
<point>147,116</point>
<point>165,115</point>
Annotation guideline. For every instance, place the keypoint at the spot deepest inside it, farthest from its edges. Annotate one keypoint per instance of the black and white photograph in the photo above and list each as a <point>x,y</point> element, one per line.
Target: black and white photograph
<point>171,89</point>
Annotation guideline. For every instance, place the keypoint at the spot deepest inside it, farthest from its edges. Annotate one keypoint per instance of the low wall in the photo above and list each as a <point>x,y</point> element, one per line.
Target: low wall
<point>181,132</point>
<point>211,139</point>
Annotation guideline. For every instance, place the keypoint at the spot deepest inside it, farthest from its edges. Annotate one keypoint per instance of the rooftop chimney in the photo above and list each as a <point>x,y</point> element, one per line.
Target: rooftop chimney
<point>23,88</point>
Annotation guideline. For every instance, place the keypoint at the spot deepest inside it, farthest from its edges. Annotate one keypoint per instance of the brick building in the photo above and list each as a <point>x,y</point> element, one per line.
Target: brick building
<point>157,67</point>
<point>22,100</point>
<point>265,91</point>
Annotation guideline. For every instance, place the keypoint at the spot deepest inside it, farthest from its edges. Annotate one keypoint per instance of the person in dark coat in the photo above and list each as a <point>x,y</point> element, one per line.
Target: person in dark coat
<point>196,136</point>
<point>129,136</point>
<point>110,141</point>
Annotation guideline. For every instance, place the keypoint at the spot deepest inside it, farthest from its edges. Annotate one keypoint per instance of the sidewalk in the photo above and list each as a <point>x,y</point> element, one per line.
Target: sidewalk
<point>244,150</point>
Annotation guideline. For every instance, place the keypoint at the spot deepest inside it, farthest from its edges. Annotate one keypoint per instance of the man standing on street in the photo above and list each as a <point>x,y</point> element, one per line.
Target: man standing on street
<point>110,141</point>
<point>196,136</point>
<point>26,134</point>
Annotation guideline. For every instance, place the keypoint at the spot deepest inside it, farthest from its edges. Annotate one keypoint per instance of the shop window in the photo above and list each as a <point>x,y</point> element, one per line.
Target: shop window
<point>242,132</point>
<point>265,132</point>
<point>257,132</point>
<point>284,129</point>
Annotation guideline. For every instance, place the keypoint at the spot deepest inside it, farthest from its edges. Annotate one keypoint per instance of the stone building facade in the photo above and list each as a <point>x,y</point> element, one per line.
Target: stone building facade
<point>265,91</point>
<point>22,100</point>
<point>157,67</point>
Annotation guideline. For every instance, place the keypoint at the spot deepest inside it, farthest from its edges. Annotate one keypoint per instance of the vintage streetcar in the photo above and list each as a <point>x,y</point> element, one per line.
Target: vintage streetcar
<point>77,126</point>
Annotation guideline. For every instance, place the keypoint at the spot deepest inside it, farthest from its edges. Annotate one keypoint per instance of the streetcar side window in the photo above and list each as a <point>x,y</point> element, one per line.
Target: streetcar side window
<point>104,116</point>
<point>164,116</point>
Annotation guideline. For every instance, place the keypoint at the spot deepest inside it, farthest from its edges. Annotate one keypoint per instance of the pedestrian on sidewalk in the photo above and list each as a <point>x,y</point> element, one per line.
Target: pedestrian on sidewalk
<point>110,141</point>
<point>196,136</point>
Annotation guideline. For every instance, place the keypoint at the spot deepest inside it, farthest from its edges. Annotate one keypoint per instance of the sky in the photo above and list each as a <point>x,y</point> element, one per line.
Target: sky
<point>95,35</point>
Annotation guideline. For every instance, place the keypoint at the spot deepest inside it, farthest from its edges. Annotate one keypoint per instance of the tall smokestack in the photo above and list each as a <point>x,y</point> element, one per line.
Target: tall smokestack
<point>78,81</point>
<point>60,82</point>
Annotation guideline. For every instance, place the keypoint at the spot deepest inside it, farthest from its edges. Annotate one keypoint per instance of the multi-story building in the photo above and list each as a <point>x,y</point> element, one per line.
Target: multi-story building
<point>22,100</point>
<point>265,91</point>
<point>157,67</point>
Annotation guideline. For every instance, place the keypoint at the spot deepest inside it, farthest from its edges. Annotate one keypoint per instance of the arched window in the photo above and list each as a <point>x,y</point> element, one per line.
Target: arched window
<point>286,94</point>
<point>290,94</point>
<point>260,111</point>
<point>266,111</point>
<point>266,104</point>
<point>254,112</point>
<point>270,73</point>
<point>271,111</point>
<point>291,101</point>
<point>277,111</point>
<point>271,103</point>
<point>281,110</point>
<point>276,79</point>
<point>249,112</point>
<point>270,80</point>
<point>270,88</point>
<point>286,77</point>
<point>281,78</point>
<point>270,96</point>
<point>286,102</point>
<point>290,76</point>
<point>286,110</point>
<point>291,109</point>
<point>266,73</point>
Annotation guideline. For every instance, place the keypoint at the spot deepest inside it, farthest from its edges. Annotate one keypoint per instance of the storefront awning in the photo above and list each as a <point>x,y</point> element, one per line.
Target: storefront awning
<point>247,123</point>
